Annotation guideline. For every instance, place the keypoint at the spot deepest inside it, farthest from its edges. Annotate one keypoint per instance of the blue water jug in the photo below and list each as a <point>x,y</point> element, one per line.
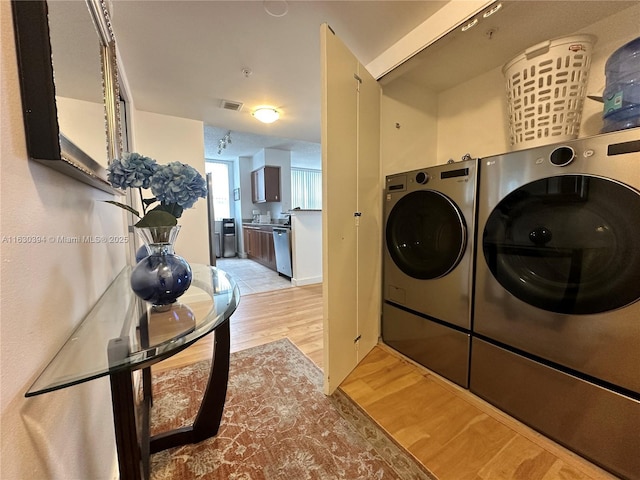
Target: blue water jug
<point>622,91</point>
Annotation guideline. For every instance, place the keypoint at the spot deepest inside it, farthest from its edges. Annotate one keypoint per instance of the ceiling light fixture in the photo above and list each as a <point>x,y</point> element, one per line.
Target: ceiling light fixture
<point>491,11</point>
<point>223,142</point>
<point>266,114</point>
<point>486,14</point>
<point>276,8</point>
<point>472,23</point>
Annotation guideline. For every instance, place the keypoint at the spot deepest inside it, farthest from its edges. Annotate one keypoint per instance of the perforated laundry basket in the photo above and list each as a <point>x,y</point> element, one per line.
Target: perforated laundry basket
<point>546,87</point>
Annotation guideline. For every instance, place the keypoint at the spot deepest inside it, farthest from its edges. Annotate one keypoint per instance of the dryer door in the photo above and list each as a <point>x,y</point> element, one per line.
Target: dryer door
<point>567,244</point>
<point>426,235</point>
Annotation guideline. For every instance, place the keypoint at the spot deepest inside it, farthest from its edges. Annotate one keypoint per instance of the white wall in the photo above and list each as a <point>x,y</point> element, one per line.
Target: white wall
<point>306,245</point>
<point>168,139</point>
<point>84,124</point>
<point>409,127</point>
<point>472,117</point>
<point>46,289</point>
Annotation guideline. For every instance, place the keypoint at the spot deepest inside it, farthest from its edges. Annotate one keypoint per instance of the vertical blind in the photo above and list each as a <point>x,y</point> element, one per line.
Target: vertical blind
<point>306,189</point>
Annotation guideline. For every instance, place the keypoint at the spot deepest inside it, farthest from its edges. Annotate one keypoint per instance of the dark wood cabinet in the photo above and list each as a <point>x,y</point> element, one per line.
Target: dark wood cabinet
<point>265,184</point>
<point>258,245</point>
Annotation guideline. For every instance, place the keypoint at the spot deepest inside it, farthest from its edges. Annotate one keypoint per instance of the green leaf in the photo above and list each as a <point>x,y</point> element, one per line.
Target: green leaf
<point>126,207</point>
<point>157,218</point>
<point>172,208</point>
<point>149,201</point>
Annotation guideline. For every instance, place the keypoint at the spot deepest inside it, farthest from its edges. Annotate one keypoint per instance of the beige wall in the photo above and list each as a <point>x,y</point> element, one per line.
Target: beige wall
<point>472,117</point>
<point>46,289</point>
<point>84,123</point>
<point>169,139</point>
<point>409,127</point>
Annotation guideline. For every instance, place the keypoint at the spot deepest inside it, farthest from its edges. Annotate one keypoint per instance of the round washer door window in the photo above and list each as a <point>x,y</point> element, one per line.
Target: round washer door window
<point>426,235</point>
<point>567,244</point>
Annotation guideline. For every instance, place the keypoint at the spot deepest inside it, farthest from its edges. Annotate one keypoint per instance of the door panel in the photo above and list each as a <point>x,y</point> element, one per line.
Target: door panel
<point>339,107</point>
<point>369,230</point>
<point>351,252</point>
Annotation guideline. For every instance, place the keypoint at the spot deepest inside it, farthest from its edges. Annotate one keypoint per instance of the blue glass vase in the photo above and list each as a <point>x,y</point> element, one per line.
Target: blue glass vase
<point>162,276</point>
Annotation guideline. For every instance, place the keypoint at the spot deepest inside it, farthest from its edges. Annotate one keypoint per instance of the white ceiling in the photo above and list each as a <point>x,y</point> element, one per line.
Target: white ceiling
<point>182,58</point>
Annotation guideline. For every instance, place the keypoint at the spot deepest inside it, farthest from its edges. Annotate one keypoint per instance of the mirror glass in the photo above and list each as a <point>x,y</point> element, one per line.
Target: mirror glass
<point>77,72</point>
<point>71,115</point>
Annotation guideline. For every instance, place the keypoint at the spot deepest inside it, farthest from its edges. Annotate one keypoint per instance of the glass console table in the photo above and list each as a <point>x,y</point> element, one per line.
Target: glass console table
<point>123,334</point>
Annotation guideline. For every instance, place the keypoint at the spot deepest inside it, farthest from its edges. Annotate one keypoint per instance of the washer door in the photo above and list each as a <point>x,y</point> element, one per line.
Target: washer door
<point>426,235</point>
<point>567,244</point>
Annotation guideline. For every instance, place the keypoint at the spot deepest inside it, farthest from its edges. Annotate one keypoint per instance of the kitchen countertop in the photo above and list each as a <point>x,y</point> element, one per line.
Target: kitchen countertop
<point>252,224</point>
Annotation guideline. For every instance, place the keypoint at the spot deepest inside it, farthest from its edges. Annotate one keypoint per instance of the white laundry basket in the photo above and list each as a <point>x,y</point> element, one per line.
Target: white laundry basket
<point>546,87</point>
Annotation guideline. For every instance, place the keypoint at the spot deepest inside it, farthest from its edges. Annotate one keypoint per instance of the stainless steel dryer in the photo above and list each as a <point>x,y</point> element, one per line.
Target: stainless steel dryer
<point>556,332</point>
<point>428,258</point>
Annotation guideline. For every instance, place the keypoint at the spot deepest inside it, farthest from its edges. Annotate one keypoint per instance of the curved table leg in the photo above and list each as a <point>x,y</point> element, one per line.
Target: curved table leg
<point>207,421</point>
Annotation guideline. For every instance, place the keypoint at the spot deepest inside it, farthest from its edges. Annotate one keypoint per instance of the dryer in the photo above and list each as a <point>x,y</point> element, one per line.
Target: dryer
<point>427,265</point>
<point>556,329</point>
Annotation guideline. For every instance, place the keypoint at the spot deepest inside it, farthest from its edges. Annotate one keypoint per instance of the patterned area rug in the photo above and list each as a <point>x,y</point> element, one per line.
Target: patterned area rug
<point>277,424</point>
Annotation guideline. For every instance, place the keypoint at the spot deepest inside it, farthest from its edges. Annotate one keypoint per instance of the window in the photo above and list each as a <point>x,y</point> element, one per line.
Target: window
<point>306,189</point>
<point>221,187</point>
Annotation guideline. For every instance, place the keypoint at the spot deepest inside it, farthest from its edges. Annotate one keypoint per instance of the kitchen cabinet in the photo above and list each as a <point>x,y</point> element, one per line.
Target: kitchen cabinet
<point>258,244</point>
<point>351,241</point>
<point>265,184</point>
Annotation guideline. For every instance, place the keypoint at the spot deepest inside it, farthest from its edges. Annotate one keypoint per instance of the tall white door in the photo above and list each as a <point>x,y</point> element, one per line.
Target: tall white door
<point>352,210</point>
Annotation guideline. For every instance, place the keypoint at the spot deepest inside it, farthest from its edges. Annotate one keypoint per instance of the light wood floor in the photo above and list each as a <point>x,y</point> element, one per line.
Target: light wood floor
<point>453,433</point>
<point>294,313</point>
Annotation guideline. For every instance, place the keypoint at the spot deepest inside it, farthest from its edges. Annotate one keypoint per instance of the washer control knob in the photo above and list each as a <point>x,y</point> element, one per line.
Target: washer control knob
<point>562,156</point>
<point>422,178</point>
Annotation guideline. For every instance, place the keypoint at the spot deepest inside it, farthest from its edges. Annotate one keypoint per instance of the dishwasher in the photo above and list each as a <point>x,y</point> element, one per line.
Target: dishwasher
<point>282,246</point>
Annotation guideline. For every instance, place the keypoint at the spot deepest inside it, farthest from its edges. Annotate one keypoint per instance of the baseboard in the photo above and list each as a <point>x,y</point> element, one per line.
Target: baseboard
<point>300,282</point>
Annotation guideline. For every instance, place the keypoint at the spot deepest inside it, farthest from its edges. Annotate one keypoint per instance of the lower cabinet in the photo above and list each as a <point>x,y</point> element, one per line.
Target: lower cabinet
<point>258,245</point>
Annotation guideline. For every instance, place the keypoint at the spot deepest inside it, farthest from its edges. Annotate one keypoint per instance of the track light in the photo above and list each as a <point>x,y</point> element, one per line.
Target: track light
<point>223,142</point>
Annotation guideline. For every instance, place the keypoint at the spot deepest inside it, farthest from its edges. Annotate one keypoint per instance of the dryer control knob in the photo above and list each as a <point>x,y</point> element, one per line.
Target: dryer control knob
<point>562,156</point>
<point>422,178</point>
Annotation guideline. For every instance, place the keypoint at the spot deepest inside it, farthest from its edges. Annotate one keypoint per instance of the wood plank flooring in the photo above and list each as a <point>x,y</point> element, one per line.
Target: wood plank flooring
<point>294,313</point>
<point>452,432</point>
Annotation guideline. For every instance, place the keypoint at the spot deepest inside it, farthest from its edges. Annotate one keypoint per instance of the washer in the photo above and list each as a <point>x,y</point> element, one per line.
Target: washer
<point>556,331</point>
<point>429,238</point>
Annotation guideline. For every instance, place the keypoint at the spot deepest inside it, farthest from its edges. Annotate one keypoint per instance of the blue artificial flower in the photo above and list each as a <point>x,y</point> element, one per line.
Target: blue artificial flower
<point>132,171</point>
<point>178,183</point>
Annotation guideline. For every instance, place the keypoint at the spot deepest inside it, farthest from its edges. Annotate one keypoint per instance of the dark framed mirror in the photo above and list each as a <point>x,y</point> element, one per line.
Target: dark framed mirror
<point>68,79</point>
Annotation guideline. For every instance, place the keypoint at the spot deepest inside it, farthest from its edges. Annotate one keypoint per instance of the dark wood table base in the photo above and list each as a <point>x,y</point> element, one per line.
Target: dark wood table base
<point>133,451</point>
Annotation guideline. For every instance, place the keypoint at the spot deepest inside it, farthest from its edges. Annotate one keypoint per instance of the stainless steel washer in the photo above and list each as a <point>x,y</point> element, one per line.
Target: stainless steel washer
<point>556,329</point>
<point>429,230</point>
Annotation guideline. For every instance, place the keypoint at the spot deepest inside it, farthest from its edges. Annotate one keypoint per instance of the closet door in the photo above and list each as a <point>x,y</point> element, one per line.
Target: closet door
<point>351,227</point>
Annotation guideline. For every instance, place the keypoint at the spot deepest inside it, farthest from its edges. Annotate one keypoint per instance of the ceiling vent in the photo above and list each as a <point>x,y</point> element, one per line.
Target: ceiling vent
<point>230,105</point>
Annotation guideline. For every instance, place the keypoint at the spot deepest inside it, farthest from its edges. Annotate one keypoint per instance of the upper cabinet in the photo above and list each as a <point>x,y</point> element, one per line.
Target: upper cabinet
<point>265,184</point>
<point>450,98</point>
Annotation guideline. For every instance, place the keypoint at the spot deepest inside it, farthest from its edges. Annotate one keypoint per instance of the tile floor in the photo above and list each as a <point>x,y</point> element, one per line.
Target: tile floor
<point>251,276</point>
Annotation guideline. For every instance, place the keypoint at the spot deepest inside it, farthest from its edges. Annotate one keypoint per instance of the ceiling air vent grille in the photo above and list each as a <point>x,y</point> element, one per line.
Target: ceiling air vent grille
<point>230,105</point>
